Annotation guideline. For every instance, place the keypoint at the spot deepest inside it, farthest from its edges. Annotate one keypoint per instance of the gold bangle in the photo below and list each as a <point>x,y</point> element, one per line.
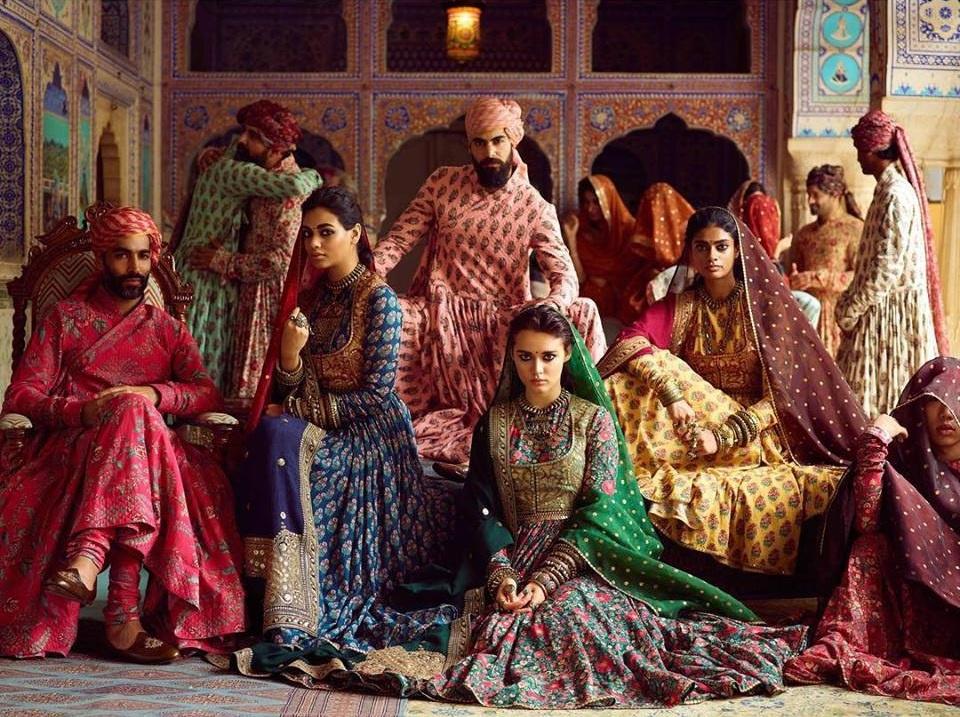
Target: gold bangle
<point>669,394</point>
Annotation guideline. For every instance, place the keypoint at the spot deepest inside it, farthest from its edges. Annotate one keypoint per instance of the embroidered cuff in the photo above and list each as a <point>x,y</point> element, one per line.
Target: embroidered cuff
<point>322,412</point>
<point>168,398</point>
<point>880,434</point>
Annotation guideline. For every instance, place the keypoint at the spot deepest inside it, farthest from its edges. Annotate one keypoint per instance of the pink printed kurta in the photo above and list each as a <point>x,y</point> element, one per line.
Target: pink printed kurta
<point>129,475</point>
<point>259,269</point>
<point>473,278</point>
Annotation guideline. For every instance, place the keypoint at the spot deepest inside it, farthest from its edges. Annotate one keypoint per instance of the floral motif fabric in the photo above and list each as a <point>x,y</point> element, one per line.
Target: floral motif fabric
<point>216,212</point>
<point>168,502</point>
<point>886,313</point>
<point>592,645</point>
<point>825,255</point>
<point>474,276</point>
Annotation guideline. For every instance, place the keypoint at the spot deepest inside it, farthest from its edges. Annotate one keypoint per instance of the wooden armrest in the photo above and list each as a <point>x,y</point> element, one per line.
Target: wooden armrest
<point>212,418</point>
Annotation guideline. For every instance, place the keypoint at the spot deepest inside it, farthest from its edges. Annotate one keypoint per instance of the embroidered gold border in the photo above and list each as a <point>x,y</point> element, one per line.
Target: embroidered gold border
<point>686,302</point>
<point>620,353</point>
<point>297,606</point>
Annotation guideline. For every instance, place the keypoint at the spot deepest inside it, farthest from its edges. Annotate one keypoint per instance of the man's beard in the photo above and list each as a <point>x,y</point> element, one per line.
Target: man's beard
<point>496,173</point>
<point>116,286</point>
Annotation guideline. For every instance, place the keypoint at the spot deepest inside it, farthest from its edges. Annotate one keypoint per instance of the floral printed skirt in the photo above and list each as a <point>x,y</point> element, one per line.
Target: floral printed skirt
<point>745,508</point>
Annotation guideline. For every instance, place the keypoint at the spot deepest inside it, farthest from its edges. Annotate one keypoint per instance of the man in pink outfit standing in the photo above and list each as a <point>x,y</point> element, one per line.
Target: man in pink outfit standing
<point>481,222</point>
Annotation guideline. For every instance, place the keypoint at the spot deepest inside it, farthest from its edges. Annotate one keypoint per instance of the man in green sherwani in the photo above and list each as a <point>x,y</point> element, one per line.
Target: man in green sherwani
<point>216,212</point>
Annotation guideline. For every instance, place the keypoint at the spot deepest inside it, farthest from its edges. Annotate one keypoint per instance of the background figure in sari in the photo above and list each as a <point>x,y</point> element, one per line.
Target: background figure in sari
<point>579,611</point>
<point>600,238</point>
<point>212,230</point>
<point>481,223</point>
<point>737,419</point>
<point>104,478</point>
<point>823,252</point>
<point>331,499</point>
<point>761,213</point>
<point>892,627</point>
<point>892,313</point>
<point>662,215</point>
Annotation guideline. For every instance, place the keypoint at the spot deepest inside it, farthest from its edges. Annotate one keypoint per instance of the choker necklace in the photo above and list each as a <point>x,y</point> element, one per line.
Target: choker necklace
<point>715,304</point>
<point>538,422</point>
<point>349,280</point>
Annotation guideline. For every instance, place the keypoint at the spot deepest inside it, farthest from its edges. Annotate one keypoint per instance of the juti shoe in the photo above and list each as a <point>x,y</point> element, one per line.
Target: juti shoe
<point>67,584</point>
<point>147,650</point>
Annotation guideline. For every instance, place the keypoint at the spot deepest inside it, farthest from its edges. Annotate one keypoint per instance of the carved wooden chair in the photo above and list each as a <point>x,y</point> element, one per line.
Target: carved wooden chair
<point>55,267</point>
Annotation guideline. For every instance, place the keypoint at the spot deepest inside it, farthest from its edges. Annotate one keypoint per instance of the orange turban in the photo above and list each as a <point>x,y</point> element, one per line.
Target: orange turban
<point>493,113</point>
<point>109,227</point>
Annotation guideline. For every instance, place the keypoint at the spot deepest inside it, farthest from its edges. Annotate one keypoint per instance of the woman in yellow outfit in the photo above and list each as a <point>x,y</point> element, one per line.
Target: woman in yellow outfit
<point>739,423</point>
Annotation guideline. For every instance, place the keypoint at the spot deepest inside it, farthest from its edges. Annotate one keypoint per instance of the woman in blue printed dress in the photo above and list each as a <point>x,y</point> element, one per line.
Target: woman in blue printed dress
<point>331,496</point>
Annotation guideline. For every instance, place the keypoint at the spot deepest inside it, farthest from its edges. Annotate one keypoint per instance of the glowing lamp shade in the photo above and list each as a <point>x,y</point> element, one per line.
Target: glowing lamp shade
<point>463,31</point>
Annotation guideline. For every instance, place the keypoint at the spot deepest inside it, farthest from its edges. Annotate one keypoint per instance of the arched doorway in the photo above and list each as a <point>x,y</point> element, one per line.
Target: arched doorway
<point>418,157</point>
<point>704,167</point>
<point>12,153</point>
<point>108,168</point>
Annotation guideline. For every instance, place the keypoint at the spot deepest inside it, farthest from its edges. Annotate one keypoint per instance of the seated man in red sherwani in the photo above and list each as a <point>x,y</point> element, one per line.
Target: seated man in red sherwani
<point>104,480</point>
<point>481,222</point>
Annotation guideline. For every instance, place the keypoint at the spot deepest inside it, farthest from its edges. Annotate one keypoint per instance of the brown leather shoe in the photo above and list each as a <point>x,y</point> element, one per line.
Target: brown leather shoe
<point>67,584</point>
<point>147,650</point>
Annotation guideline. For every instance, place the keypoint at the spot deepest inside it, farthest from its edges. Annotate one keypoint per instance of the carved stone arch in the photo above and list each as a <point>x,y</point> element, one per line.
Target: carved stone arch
<point>12,153</point>
<point>417,158</point>
<point>705,167</point>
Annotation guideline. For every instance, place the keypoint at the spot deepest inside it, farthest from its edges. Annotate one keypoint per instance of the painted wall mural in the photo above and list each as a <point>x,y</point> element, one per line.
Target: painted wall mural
<point>85,20</point>
<point>368,122</point>
<point>832,66</point>
<point>12,152</point>
<point>146,162</point>
<point>85,179</point>
<point>56,150</point>
<point>926,48</point>
<point>59,10</point>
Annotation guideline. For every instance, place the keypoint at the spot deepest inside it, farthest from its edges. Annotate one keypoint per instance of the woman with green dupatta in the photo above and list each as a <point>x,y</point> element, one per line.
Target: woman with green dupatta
<point>574,609</point>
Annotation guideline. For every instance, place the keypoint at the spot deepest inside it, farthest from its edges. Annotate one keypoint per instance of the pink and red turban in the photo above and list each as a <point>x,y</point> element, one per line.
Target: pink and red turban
<point>493,113</point>
<point>876,131</point>
<point>109,227</point>
<point>275,121</point>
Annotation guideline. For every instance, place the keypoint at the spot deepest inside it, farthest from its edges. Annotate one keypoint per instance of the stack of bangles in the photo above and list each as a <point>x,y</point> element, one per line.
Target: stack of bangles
<point>669,393</point>
<point>740,429</point>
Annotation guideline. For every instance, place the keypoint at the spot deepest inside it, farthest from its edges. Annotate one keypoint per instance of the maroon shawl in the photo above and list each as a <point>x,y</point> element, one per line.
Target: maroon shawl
<point>819,416</point>
<point>921,493</point>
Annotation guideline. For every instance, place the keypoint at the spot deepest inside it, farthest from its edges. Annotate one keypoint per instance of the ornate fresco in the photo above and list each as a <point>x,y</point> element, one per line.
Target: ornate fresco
<point>367,112</point>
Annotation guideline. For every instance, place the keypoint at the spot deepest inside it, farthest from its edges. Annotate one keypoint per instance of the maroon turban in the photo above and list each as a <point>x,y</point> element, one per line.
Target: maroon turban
<point>275,122</point>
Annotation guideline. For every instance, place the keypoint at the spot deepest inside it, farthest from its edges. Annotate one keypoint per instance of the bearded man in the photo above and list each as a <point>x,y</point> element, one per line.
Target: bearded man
<point>481,222</point>
<point>208,254</point>
<point>105,480</point>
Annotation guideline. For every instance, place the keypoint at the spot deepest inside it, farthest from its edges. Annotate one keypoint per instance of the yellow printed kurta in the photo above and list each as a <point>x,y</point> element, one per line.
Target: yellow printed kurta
<point>745,507</point>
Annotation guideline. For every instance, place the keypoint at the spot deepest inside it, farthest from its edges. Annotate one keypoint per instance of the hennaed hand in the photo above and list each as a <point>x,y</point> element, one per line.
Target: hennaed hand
<point>682,415</point>
<point>506,594</point>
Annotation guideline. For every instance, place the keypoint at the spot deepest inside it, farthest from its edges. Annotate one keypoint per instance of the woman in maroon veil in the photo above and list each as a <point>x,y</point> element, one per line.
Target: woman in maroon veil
<point>738,421</point>
<point>892,626</point>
